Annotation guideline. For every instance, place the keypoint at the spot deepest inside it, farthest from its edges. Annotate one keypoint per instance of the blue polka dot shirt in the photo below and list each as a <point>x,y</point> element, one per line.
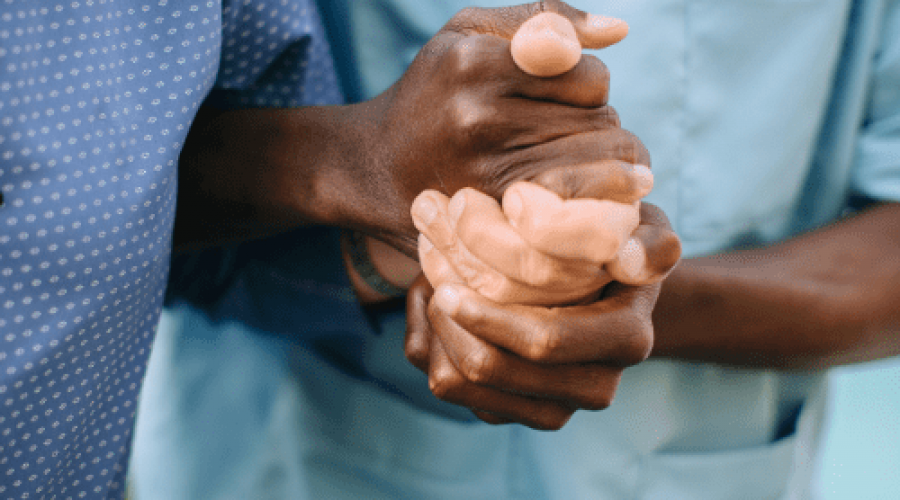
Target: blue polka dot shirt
<point>96,99</point>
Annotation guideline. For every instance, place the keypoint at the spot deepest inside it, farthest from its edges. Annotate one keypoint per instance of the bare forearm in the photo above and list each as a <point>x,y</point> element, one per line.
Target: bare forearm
<point>250,173</point>
<point>824,298</point>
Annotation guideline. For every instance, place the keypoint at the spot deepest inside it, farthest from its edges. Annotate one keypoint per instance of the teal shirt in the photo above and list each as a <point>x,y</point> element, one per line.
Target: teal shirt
<point>763,117</point>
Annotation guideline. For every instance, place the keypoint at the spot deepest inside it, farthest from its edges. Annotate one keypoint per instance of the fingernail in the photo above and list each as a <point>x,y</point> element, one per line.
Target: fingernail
<point>425,244</point>
<point>457,205</point>
<point>644,178</point>
<point>602,22</point>
<point>447,299</point>
<point>512,205</point>
<point>424,210</point>
<point>632,258</point>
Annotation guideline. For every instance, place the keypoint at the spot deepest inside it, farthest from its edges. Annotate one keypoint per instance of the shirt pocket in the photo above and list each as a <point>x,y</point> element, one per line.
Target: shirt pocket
<point>760,472</point>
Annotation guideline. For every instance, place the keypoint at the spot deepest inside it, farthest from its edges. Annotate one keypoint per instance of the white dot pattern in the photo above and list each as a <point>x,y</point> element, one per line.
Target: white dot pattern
<point>96,98</point>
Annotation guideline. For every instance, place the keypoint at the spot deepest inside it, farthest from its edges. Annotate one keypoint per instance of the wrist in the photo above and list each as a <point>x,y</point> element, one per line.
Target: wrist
<point>377,271</point>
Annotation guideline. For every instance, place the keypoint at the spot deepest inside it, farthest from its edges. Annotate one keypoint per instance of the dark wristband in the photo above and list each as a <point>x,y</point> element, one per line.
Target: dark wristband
<point>355,244</point>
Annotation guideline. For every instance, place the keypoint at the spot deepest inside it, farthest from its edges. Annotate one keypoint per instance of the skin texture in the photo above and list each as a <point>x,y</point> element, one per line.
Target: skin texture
<point>463,115</point>
<point>826,298</point>
<point>556,383</point>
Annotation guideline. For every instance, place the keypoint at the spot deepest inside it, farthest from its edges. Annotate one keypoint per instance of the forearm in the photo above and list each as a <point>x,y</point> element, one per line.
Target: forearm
<point>250,173</point>
<point>821,299</point>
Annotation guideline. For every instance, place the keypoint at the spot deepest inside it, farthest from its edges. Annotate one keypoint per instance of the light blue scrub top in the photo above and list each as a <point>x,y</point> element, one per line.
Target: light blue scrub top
<point>764,118</point>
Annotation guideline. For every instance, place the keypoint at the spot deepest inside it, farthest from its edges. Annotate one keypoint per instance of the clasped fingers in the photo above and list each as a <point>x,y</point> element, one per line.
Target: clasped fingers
<point>466,370</point>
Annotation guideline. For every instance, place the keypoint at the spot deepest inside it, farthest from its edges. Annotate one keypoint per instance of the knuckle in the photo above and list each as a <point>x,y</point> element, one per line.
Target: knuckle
<point>554,180</point>
<point>670,252</point>
<point>546,343</point>
<point>468,58</point>
<point>478,367</point>
<point>470,117</point>
<point>638,345</point>
<point>476,319</point>
<point>594,73</point>
<point>607,117</point>
<point>434,315</point>
<point>444,383</point>
<point>535,271</point>
<point>416,351</point>
<point>467,19</point>
<point>596,402</point>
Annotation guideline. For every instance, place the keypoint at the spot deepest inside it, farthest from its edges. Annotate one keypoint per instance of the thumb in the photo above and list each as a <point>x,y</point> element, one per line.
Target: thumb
<point>592,31</point>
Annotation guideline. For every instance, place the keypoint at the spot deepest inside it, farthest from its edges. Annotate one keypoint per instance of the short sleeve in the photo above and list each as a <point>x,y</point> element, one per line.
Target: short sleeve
<point>274,54</point>
<point>876,172</point>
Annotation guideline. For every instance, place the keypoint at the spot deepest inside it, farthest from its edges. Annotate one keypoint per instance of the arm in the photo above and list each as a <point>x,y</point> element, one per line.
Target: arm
<point>251,173</point>
<point>824,298</point>
<point>821,299</point>
<point>462,115</point>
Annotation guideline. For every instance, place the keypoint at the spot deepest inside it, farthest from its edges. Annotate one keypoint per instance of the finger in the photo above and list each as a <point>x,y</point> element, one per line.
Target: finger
<point>418,330</point>
<point>585,229</point>
<point>647,257</point>
<point>447,384</point>
<point>616,330</point>
<point>485,60</point>
<point>429,215</point>
<point>539,119</point>
<point>585,85</point>
<point>490,283</point>
<point>593,31</point>
<point>592,147</point>
<point>435,266</point>
<point>439,247</point>
<point>588,385</point>
<point>546,45</point>
<point>650,254</point>
<point>448,260</point>
<point>490,418</point>
<point>612,180</point>
<point>482,227</point>
<point>661,243</point>
<point>573,151</point>
<point>629,266</point>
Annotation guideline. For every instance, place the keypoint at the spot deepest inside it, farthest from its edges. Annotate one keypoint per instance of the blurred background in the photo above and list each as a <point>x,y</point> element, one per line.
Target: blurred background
<point>861,459</point>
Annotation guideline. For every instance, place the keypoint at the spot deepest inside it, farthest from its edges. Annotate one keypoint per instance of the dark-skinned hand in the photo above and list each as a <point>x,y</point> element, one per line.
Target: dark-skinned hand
<point>532,364</point>
<point>464,115</point>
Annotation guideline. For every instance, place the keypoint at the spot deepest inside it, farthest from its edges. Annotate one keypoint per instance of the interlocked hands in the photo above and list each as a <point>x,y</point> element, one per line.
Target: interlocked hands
<point>543,299</point>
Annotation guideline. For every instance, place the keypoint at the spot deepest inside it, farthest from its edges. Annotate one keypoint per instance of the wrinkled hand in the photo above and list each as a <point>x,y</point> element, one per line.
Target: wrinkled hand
<point>464,115</point>
<point>533,364</point>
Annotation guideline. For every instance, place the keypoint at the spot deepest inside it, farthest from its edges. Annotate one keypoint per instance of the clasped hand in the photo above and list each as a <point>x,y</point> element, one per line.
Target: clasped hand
<point>464,115</point>
<point>542,301</point>
<point>521,334</point>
